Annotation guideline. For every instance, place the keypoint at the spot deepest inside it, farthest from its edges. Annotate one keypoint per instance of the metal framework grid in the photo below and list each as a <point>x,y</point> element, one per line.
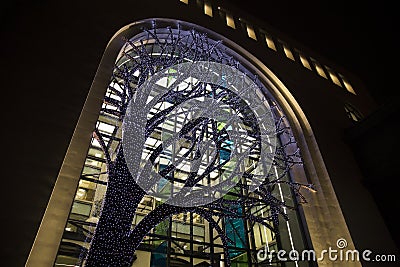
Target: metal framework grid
<point>130,218</point>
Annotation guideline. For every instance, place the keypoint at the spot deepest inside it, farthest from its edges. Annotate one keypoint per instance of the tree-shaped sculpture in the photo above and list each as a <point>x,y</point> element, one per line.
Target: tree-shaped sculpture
<point>211,122</point>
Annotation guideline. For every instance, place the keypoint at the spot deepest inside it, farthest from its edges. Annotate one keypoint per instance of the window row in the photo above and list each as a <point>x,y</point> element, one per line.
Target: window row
<point>259,34</point>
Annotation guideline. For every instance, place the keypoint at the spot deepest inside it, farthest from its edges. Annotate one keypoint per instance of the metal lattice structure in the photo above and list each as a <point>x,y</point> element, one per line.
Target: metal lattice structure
<point>185,147</point>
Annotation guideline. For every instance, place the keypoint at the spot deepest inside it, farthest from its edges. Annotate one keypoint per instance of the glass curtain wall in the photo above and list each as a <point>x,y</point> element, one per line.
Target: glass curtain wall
<point>184,239</point>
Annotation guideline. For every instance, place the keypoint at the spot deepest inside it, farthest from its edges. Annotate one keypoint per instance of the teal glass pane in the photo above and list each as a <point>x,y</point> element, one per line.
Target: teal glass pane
<point>159,255</point>
<point>234,228</point>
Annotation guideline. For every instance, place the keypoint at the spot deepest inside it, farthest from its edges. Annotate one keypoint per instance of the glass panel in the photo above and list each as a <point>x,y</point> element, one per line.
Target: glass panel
<point>270,42</point>
<point>185,237</point>
<point>81,208</point>
<point>333,76</point>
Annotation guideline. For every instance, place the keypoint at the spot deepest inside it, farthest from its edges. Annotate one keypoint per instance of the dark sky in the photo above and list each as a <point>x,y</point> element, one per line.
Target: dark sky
<point>358,35</point>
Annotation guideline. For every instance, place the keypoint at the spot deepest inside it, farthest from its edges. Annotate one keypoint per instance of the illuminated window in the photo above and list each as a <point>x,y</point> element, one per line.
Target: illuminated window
<point>227,17</point>
<point>251,33</point>
<point>288,52</point>
<point>304,61</point>
<point>190,237</point>
<point>352,112</point>
<point>347,85</point>
<point>249,29</point>
<point>270,42</point>
<point>208,9</point>
<point>319,68</point>
<point>230,21</point>
<point>333,76</point>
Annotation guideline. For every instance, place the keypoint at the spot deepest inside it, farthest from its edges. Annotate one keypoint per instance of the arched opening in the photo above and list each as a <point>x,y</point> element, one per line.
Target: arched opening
<point>158,44</point>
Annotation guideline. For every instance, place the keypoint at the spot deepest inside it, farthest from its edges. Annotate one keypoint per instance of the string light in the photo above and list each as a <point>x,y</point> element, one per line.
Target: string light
<point>114,241</point>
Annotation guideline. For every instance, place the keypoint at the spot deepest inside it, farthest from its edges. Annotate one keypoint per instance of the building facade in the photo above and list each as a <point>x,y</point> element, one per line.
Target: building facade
<point>317,99</point>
